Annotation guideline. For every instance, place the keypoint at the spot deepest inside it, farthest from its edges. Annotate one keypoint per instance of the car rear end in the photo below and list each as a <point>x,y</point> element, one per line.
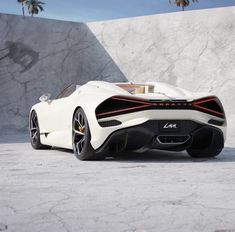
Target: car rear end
<point>134,123</point>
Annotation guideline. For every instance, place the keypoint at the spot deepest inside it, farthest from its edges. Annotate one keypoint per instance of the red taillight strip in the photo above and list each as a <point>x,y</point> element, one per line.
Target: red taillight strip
<point>131,100</point>
<point>196,104</point>
<point>145,104</point>
<point>204,100</point>
<point>208,110</point>
<point>122,110</point>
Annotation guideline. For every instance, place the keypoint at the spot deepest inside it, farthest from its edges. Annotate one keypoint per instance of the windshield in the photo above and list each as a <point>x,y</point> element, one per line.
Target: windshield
<point>67,91</point>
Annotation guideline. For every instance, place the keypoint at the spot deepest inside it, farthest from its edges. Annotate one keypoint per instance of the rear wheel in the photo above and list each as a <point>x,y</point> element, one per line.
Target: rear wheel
<point>194,153</point>
<point>207,142</point>
<point>35,132</point>
<point>81,138</point>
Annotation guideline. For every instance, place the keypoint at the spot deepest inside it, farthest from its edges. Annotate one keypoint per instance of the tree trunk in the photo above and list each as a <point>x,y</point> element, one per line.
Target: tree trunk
<point>22,8</point>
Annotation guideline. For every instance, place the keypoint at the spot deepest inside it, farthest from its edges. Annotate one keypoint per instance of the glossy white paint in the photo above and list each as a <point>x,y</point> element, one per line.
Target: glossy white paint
<point>55,116</point>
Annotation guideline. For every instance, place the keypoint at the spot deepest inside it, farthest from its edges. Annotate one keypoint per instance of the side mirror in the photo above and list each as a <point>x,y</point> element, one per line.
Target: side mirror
<point>45,97</point>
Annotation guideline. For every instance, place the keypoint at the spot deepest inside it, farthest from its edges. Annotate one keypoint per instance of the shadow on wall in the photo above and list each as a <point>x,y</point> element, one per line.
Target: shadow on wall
<point>39,56</point>
<point>20,54</point>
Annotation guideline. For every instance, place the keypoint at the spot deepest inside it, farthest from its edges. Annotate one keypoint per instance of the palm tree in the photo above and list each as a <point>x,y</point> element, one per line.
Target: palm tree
<point>34,6</point>
<point>183,3</point>
<point>22,4</point>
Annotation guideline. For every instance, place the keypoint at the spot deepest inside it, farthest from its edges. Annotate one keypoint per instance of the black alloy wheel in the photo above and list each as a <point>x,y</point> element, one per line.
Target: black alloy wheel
<point>35,132</point>
<point>81,138</point>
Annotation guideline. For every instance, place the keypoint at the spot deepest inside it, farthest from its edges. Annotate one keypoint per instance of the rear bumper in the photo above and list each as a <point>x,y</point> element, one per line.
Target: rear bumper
<point>150,135</point>
<point>100,134</point>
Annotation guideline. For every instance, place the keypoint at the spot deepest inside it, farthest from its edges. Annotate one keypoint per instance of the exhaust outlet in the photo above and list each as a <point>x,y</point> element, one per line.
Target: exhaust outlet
<point>172,139</point>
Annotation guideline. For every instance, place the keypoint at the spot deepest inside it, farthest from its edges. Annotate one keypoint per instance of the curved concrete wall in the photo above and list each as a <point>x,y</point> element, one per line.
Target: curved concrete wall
<point>194,50</point>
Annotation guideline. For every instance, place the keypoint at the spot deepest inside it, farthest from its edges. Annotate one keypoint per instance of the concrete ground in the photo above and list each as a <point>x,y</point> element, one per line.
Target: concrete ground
<point>49,190</point>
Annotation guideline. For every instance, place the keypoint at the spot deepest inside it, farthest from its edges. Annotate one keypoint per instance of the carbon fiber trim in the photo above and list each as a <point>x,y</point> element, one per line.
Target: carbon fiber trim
<point>109,123</point>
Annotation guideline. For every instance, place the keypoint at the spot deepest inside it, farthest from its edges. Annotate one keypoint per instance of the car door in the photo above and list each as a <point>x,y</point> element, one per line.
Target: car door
<point>55,115</point>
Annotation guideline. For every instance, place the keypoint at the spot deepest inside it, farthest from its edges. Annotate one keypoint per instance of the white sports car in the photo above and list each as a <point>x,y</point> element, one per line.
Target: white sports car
<point>100,118</point>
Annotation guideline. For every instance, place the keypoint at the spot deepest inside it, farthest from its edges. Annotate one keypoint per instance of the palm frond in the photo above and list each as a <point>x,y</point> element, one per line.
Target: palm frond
<point>40,7</point>
<point>35,10</point>
<point>34,6</point>
<point>182,3</point>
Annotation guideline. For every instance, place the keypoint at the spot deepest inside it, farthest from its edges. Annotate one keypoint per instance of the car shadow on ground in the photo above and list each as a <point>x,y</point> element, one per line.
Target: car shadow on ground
<point>227,155</point>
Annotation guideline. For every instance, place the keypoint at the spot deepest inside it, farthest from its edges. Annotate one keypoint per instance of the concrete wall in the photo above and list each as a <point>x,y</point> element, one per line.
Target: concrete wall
<point>39,56</point>
<point>194,50</point>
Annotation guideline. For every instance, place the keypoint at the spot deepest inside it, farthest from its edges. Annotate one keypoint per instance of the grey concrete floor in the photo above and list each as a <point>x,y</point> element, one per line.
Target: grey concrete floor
<point>49,190</point>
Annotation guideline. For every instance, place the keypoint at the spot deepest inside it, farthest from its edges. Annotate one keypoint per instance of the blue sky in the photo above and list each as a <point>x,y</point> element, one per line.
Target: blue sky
<point>96,10</point>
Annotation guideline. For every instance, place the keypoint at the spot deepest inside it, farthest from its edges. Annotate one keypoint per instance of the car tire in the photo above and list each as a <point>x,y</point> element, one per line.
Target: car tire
<point>81,135</point>
<point>35,132</point>
<point>196,153</point>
